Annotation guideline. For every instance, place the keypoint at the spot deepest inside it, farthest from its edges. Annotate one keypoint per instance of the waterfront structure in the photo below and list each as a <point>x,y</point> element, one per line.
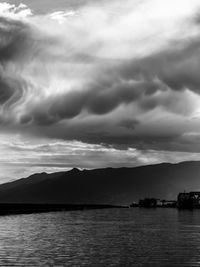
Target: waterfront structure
<point>185,200</point>
<point>188,200</point>
<point>155,203</point>
<point>168,203</point>
<point>148,202</point>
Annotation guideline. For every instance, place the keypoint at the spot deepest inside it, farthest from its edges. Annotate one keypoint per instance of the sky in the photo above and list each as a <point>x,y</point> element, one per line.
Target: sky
<point>96,83</point>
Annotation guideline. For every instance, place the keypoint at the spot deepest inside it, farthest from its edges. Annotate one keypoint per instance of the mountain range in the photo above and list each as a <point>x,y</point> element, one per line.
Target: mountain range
<point>118,186</point>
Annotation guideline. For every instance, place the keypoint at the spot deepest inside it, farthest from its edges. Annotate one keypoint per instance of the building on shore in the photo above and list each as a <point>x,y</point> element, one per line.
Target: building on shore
<point>185,200</point>
<point>156,203</point>
<point>148,203</point>
<point>188,200</point>
<point>168,203</point>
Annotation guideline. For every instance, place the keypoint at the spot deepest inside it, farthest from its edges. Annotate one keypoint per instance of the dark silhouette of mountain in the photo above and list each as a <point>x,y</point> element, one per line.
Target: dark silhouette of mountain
<point>104,186</point>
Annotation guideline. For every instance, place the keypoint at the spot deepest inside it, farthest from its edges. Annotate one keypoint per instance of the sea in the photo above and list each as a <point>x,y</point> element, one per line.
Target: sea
<point>102,237</point>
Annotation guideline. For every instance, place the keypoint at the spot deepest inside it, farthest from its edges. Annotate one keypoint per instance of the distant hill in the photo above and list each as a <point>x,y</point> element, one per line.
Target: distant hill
<point>105,186</point>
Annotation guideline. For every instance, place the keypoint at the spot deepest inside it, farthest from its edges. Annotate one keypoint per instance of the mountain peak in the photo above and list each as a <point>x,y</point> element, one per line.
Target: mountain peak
<point>74,170</point>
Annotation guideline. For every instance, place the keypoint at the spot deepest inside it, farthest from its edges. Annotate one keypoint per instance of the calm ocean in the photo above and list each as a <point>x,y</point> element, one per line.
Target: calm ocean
<point>110,237</point>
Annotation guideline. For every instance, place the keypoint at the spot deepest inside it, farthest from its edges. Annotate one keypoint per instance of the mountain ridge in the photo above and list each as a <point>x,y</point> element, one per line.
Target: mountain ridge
<point>105,185</point>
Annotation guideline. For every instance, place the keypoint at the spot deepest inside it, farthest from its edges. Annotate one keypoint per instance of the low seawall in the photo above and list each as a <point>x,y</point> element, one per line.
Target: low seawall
<point>27,208</point>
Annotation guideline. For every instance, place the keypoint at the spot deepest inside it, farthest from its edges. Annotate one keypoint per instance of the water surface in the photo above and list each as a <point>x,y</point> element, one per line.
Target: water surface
<point>110,237</point>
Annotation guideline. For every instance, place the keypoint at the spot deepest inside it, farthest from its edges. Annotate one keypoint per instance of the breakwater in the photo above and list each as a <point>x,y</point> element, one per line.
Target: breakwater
<point>27,208</point>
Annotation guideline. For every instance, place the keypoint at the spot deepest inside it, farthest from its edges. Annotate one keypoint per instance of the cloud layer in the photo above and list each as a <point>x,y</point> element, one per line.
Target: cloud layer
<point>107,73</point>
<point>21,157</point>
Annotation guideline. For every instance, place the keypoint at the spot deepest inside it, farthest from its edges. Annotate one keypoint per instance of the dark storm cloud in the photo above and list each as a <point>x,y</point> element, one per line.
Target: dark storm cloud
<point>136,82</point>
<point>98,99</point>
<point>58,81</point>
<point>178,68</point>
<point>118,134</point>
<point>101,98</point>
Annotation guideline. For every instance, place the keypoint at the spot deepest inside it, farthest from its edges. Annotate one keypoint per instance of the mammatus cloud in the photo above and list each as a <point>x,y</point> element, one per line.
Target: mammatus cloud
<point>114,75</point>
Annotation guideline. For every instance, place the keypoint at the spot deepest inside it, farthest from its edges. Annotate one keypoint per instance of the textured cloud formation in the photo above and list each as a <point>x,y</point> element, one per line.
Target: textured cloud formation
<point>122,75</point>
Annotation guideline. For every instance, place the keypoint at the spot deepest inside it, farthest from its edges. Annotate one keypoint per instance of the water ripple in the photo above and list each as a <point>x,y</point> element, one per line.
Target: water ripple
<point>115,237</point>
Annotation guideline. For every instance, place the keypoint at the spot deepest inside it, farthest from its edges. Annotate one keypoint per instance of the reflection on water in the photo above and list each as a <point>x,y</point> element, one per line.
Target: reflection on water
<point>113,237</point>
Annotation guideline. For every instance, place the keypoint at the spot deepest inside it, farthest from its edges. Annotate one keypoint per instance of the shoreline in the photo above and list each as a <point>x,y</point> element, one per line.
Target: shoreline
<point>28,208</point>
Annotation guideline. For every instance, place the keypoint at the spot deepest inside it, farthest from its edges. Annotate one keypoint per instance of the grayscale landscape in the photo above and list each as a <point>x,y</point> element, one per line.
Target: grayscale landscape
<point>99,133</point>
